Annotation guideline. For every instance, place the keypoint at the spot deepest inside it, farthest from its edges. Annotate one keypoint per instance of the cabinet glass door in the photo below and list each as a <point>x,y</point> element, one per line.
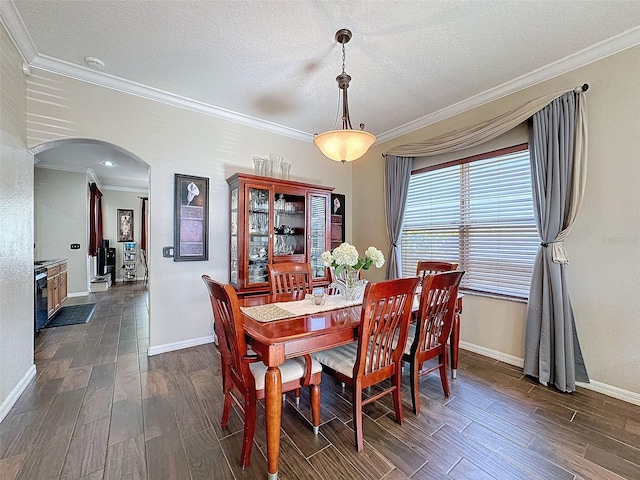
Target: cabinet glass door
<point>233,254</point>
<point>258,235</point>
<point>318,234</point>
<point>289,225</point>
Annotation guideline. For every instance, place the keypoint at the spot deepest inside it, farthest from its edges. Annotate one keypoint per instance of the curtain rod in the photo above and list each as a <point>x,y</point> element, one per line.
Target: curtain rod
<point>583,88</point>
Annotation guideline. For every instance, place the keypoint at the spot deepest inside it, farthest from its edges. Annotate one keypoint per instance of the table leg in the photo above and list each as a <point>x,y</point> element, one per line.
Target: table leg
<point>454,340</point>
<point>273,409</point>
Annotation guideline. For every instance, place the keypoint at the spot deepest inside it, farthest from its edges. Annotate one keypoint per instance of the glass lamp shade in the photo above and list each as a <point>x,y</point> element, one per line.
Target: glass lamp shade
<point>344,145</point>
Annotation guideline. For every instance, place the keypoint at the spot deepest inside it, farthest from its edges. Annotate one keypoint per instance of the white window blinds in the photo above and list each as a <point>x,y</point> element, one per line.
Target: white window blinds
<point>479,214</point>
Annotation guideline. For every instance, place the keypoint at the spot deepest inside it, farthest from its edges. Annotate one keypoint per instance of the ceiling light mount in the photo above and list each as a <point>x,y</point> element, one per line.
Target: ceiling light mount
<point>347,144</point>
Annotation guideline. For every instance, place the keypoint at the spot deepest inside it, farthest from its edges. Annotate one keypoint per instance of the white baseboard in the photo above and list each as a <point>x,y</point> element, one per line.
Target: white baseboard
<point>609,390</point>
<point>487,352</point>
<point>16,392</point>
<point>170,347</point>
<point>78,294</point>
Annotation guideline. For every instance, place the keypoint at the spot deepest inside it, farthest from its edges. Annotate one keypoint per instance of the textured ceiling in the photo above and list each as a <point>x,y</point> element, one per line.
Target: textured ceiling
<point>273,63</point>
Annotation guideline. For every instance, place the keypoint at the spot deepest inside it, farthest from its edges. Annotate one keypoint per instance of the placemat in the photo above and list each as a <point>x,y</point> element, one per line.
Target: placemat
<point>267,313</point>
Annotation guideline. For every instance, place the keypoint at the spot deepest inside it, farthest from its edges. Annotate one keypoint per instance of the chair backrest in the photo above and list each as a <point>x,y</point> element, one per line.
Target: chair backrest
<point>386,312</point>
<point>429,267</point>
<point>290,277</point>
<point>227,323</point>
<point>437,307</point>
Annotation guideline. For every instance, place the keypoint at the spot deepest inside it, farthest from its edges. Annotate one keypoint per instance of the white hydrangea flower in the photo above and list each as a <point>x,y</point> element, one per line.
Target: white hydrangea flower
<point>375,255</point>
<point>345,254</point>
<point>327,258</point>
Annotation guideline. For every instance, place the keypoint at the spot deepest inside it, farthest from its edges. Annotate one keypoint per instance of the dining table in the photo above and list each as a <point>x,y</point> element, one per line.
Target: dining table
<point>278,339</point>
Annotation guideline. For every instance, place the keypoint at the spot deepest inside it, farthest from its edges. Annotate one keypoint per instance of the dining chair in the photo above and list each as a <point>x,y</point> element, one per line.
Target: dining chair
<point>428,336</point>
<point>246,372</point>
<point>290,277</point>
<point>376,355</point>
<point>429,267</point>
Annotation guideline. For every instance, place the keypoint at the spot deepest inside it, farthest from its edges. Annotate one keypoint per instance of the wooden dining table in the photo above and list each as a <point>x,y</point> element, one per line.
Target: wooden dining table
<point>291,337</point>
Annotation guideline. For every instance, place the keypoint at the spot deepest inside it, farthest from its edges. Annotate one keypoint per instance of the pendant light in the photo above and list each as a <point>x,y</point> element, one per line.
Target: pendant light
<point>347,144</point>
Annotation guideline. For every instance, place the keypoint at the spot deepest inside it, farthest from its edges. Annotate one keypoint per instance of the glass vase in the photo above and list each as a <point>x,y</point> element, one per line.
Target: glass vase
<point>349,284</point>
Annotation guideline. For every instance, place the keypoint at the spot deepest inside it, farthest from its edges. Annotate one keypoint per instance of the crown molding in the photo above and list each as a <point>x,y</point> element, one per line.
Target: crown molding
<point>125,189</point>
<point>611,46</point>
<point>92,177</point>
<point>112,82</point>
<point>17,31</point>
<point>64,168</point>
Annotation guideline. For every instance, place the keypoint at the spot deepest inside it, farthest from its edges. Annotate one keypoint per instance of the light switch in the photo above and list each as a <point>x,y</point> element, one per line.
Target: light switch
<point>167,252</point>
<point>75,246</point>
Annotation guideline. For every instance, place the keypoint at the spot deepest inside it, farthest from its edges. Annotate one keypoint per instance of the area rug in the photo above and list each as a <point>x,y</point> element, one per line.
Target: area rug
<point>72,315</point>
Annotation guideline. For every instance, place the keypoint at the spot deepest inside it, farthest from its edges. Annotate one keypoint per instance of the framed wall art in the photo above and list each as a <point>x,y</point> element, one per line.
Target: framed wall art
<point>125,225</point>
<point>191,218</point>
<point>337,219</point>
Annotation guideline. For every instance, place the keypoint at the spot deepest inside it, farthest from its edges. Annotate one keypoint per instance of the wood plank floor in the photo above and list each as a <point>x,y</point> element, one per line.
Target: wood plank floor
<point>100,408</point>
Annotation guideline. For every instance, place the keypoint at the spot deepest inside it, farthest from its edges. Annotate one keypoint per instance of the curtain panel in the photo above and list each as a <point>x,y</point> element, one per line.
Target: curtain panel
<point>558,147</point>
<point>396,186</point>
<point>95,219</point>
<point>143,225</point>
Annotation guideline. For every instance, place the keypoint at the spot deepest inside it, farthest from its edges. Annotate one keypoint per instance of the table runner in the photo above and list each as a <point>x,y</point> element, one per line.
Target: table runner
<point>280,310</point>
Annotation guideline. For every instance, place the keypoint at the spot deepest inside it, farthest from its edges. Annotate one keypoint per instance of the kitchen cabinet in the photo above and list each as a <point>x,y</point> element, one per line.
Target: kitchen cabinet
<point>274,220</point>
<point>56,286</point>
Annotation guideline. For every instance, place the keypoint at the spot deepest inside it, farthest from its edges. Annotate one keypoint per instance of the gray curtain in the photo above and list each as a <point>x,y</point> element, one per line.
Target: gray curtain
<point>396,186</point>
<point>558,170</point>
<point>467,137</point>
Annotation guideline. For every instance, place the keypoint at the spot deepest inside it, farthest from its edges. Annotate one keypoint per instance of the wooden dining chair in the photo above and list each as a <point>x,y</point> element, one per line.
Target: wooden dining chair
<point>376,355</point>
<point>290,277</point>
<point>428,336</point>
<point>429,267</point>
<point>247,372</point>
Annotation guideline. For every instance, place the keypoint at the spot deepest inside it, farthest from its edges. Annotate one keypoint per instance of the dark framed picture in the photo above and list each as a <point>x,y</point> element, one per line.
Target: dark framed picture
<point>191,218</point>
<point>337,219</point>
<point>125,225</point>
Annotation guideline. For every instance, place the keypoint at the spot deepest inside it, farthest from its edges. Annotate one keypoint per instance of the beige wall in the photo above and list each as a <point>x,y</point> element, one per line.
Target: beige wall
<point>16,230</point>
<point>60,220</point>
<point>603,246</point>
<point>172,140</point>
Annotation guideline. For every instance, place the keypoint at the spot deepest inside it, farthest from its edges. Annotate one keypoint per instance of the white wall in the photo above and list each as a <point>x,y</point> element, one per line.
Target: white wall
<point>16,231</point>
<point>173,140</point>
<point>604,269</point>
<point>112,200</point>
<point>60,220</point>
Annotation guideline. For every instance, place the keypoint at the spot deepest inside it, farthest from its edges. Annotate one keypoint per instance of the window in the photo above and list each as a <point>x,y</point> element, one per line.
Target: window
<point>479,212</point>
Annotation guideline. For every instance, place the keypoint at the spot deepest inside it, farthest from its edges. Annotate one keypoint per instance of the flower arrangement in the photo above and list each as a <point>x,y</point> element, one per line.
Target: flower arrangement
<point>346,256</point>
<point>346,263</point>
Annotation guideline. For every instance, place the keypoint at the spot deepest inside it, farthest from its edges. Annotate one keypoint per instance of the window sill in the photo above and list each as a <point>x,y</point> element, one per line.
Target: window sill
<point>494,295</point>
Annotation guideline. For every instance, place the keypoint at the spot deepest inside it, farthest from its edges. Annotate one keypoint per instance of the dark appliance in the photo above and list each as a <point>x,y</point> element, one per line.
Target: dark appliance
<point>107,261</point>
<point>41,297</point>
<point>110,264</point>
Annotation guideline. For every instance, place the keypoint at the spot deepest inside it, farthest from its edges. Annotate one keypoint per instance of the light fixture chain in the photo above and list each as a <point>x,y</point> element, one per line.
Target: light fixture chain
<point>343,57</point>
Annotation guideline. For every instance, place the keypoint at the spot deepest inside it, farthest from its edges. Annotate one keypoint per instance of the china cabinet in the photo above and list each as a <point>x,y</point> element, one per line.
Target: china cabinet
<point>275,220</point>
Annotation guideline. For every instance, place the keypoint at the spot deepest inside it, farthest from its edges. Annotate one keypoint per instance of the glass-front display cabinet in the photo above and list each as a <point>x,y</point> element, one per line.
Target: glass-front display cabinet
<point>274,220</point>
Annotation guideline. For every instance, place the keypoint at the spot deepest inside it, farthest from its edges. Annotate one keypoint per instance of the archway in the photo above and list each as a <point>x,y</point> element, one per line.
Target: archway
<point>63,171</point>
